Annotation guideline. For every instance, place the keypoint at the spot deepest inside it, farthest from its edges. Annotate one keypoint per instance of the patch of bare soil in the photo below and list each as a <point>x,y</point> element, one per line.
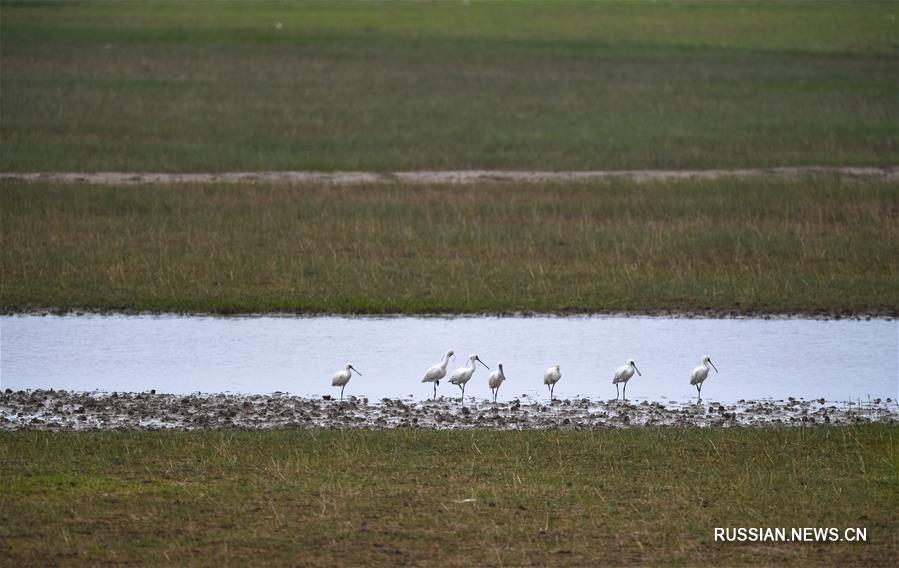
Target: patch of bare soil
<point>459,177</point>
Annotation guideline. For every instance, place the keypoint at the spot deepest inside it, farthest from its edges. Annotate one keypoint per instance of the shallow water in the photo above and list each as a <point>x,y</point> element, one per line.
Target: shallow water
<point>758,359</point>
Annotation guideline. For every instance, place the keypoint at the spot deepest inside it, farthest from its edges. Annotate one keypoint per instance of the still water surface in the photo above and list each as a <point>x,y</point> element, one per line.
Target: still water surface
<point>836,360</point>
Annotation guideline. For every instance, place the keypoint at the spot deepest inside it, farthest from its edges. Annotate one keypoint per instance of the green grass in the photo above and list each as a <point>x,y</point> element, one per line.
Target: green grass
<point>805,244</point>
<point>182,86</point>
<point>377,498</point>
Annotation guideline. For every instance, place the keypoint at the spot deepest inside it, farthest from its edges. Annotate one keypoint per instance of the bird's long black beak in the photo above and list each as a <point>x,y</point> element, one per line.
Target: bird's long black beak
<point>638,370</point>
<point>357,372</point>
<point>482,363</point>
<point>713,366</point>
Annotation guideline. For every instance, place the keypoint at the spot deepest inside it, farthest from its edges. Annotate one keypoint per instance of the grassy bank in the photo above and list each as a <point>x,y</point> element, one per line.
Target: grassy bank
<point>357,497</point>
<point>809,244</point>
<point>176,86</point>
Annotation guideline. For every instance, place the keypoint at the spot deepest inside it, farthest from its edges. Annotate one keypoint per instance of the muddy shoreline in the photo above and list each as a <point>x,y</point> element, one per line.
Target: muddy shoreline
<point>887,314</point>
<point>51,410</point>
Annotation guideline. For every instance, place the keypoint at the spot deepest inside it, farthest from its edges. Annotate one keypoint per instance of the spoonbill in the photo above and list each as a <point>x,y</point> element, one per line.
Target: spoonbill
<point>623,375</point>
<point>496,379</point>
<point>700,374</point>
<point>342,377</point>
<point>463,374</point>
<point>437,372</point>
<point>550,377</point>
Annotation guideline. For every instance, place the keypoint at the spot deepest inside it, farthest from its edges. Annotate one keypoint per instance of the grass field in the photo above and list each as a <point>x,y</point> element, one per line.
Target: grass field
<point>376,498</point>
<point>185,86</point>
<point>809,244</point>
<point>387,86</point>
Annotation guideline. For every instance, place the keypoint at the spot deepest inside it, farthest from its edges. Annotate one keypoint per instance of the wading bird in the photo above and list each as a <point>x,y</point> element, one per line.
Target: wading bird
<point>550,377</point>
<point>623,375</point>
<point>700,374</point>
<point>437,372</point>
<point>496,379</point>
<point>342,377</point>
<point>463,374</point>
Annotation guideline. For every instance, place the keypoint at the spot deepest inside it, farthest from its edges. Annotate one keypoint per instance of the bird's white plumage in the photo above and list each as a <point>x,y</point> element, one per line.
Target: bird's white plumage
<point>342,377</point>
<point>625,372</point>
<point>552,375</point>
<point>438,371</point>
<point>701,373</point>
<point>496,377</point>
<point>622,374</point>
<point>463,374</point>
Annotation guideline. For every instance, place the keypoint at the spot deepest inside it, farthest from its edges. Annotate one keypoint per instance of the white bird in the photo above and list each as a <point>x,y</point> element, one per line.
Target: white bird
<point>495,380</point>
<point>342,377</point>
<point>437,372</point>
<point>550,377</point>
<point>623,375</point>
<point>700,374</point>
<point>463,374</point>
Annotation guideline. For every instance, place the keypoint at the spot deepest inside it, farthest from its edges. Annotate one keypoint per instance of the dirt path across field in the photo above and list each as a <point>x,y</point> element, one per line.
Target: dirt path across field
<point>433,177</point>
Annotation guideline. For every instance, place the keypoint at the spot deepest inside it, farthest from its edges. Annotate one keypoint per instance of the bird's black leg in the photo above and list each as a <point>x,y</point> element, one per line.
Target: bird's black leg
<point>435,390</point>
<point>699,390</point>
<point>552,389</point>
<point>617,392</point>
<point>341,392</point>
<point>624,391</point>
